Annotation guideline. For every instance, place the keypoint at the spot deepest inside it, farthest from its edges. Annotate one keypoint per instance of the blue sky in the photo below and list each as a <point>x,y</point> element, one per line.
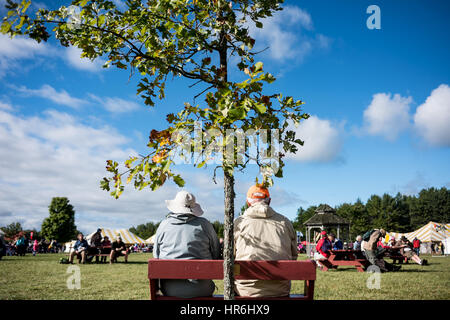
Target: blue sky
<point>379,100</point>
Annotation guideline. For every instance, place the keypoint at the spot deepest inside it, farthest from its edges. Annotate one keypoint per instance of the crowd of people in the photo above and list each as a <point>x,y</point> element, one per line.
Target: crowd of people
<point>99,247</point>
<point>260,233</point>
<point>21,244</point>
<point>102,247</point>
<point>372,246</point>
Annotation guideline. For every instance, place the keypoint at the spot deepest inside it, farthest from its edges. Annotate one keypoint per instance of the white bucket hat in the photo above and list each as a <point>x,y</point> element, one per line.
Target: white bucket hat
<point>184,202</point>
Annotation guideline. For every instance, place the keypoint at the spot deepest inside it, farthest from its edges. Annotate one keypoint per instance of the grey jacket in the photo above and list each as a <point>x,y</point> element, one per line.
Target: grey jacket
<point>185,236</point>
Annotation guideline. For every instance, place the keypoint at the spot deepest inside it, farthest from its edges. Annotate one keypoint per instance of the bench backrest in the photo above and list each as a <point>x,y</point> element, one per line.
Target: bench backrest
<point>213,269</point>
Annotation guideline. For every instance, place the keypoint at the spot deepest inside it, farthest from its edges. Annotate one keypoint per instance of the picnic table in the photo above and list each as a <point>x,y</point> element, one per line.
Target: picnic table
<point>90,253</point>
<point>347,257</point>
<point>395,255</point>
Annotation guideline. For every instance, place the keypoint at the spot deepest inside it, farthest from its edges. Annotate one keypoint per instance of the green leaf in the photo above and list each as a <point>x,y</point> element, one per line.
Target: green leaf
<point>178,180</point>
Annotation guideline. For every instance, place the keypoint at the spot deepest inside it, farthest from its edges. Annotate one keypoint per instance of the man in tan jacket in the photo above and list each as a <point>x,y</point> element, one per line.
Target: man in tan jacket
<point>263,234</point>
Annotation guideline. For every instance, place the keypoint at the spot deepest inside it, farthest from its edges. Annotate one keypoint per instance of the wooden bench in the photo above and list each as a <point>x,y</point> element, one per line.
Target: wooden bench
<point>88,254</point>
<point>213,269</point>
<point>347,257</point>
<point>396,256</point>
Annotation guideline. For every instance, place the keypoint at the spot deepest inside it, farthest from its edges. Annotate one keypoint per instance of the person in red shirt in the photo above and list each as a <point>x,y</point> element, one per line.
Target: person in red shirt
<point>323,248</point>
<point>416,245</point>
<point>381,244</point>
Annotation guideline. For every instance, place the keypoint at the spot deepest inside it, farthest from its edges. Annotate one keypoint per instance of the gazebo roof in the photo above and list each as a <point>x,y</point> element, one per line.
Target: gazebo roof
<point>325,216</point>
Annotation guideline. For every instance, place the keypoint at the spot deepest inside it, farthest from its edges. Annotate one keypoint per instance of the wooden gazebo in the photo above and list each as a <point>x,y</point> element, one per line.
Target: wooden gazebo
<point>324,218</point>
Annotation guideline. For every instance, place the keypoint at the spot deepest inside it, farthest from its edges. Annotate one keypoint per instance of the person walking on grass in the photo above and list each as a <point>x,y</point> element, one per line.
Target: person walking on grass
<point>35,247</point>
<point>184,234</point>
<point>416,246</point>
<point>263,234</point>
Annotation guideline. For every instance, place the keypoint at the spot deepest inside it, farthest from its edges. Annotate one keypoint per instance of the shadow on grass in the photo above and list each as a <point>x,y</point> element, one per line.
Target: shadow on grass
<point>415,270</point>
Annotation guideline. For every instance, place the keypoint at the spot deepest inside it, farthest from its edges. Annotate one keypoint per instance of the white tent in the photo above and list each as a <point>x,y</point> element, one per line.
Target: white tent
<point>151,240</point>
<point>447,246</point>
<point>68,246</point>
<point>127,236</point>
<point>430,232</point>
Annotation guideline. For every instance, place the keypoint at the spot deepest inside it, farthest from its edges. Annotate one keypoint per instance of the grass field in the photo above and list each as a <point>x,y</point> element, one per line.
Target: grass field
<point>42,277</point>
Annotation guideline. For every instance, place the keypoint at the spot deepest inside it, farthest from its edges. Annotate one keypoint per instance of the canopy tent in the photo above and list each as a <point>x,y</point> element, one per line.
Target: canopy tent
<point>430,232</point>
<point>447,246</point>
<point>127,236</point>
<point>151,240</point>
<point>68,246</point>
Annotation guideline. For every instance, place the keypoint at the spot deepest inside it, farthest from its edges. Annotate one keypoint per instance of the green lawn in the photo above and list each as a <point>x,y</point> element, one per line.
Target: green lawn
<point>42,277</point>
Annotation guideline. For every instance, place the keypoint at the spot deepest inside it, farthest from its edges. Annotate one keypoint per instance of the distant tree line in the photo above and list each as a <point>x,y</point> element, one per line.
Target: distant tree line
<point>146,230</point>
<point>399,213</point>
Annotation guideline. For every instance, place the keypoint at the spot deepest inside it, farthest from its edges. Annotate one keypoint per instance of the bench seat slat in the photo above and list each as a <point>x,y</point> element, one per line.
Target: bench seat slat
<point>213,269</point>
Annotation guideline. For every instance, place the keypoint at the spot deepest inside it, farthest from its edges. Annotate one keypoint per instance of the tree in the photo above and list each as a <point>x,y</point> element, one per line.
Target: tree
<point>302,216</point>
<point>431,205</point>
<point>193,39</point>
<point>60,225</point>
<point>145,231</point>
<point>218,227</point>
<point>12,229</point>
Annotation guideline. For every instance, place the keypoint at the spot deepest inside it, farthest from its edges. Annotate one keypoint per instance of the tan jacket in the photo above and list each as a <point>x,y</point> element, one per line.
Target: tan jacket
<point>262,234</point>
<point>372,243</point>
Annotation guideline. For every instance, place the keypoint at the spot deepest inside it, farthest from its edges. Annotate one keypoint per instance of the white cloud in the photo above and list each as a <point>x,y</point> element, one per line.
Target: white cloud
<point>115,104</point>
<point>55,154</point>
<point>323,141</point>
<point>13,50</point>
<point>48,92</point>
<point>73,57</point>
<point>284,34</point>
<point>387,116</point>
<point>432,118</point>
<point>5,106</point>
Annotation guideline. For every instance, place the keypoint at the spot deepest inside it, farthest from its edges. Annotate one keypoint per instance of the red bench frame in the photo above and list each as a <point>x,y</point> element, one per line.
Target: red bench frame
<point>213,269</point>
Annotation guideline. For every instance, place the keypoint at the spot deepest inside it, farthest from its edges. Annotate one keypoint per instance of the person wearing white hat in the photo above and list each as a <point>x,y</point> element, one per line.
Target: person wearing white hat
<point>184,234</point>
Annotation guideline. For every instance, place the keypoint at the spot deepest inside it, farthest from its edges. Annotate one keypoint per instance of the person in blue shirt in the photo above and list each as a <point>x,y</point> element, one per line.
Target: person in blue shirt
<point>357,243</point>
<point>184,234</point>
<point>337,243</point>
<point>79,249</point>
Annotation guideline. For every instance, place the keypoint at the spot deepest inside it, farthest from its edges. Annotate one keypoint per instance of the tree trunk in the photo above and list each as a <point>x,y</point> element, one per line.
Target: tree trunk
<point>228,250</point>
<point>229,195</point>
